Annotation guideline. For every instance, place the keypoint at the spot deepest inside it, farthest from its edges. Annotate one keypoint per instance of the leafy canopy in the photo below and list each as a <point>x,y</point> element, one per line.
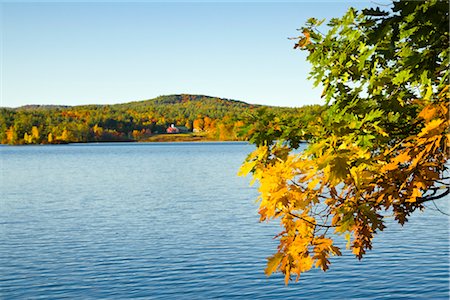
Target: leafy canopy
<point>381,144</point>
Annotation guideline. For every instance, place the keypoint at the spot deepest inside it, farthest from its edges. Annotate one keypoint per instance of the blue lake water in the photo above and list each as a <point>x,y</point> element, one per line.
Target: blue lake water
<point>173,221</point>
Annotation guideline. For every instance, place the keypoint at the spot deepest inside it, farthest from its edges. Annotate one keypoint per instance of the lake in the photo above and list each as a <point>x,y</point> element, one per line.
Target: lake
<point>173,221</point>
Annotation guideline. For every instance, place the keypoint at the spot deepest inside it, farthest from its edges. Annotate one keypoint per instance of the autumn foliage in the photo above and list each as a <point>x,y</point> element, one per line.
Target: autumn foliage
<point>214,118</point>
<point>380,147</point>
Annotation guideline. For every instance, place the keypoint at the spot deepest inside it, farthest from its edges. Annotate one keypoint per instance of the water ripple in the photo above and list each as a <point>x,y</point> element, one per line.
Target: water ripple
<point>173,221</point>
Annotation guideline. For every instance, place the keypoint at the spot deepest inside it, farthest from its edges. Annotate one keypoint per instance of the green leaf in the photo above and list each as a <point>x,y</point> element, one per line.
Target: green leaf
<point>401,77</point>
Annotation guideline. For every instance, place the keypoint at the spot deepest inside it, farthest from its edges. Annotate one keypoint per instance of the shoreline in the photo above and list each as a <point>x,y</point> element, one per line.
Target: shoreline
<point>129,142</point>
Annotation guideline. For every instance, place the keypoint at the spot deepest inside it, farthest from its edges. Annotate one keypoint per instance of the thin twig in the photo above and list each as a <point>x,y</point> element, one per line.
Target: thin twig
<point>439,210</point>
<point>426,199</point>
<point>314,224</point>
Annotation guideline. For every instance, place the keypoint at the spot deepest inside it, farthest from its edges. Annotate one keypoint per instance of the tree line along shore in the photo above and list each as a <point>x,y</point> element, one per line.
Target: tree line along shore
<point>165,118</point>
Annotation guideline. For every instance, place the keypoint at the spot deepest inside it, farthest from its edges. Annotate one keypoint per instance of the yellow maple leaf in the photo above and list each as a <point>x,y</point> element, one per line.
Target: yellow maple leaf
<point>430,127</point>
<point>273,263</point>
<point>416,193</point>
<point>403,157</point>
<point>427,113</point>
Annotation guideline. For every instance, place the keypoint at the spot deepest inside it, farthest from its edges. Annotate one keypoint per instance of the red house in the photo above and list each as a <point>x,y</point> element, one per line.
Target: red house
<point>172,129</point>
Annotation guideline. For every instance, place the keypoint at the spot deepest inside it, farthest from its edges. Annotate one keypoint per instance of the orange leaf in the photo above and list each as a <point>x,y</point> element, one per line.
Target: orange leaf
<point>430,127</point>
<point>427,113</point>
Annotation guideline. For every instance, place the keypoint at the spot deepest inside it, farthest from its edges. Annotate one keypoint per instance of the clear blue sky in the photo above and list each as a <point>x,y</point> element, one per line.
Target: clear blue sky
<point>112,52</point>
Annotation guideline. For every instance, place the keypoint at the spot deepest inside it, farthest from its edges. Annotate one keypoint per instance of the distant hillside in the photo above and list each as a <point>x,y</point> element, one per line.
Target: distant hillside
<point>183,98</point>
<point>40,107</point>
<point>175,107</point>
<point>208,117</point>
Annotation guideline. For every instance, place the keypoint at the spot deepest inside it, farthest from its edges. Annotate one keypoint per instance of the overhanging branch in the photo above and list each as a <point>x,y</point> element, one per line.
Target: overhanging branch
<point>432,198</point>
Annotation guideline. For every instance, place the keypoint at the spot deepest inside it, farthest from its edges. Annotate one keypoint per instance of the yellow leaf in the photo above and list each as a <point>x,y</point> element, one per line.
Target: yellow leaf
<point>427,113</point>
<point>356,251</point>
<point>313,183</point>
<point>340,168</point>
<point>273,263</point>
<point>415,194</point>
<point>388,167</point>
<point>322,261</point>
<point>403,157</point>
<point>347,238</point>
<point>421,185</point>
<point>305,263</point>
<point>246,168</point>
<point>430,126</point>
<point>287,275</point>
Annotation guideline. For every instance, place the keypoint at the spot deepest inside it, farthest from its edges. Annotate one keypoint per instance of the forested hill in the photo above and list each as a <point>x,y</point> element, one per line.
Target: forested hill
<point>209,117</point>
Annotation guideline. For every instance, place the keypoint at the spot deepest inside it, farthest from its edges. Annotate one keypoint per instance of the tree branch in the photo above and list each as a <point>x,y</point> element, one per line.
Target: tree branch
<point>314,224</point>
<point>431,198</point>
